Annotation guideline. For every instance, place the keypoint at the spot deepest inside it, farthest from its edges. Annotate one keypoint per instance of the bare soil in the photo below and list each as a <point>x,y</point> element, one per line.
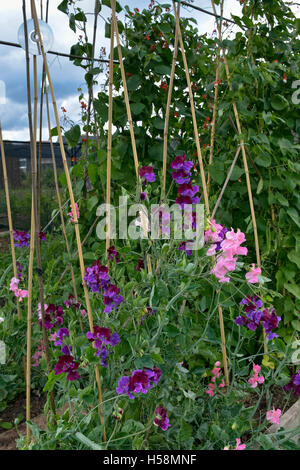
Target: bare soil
<point>18,407</point>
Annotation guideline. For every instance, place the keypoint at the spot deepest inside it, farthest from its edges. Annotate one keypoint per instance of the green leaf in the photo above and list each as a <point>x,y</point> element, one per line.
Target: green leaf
<point>137,108</point>
<point>296,324</point>
<point>217,172</point>
<point>80,16</point>
<point>6,425</point>
<point>260,186</point>
<point>133,82</point>
<point>54,131</point>
<point>72,22</point>
<point>279,102</point>
<point>281,199</point>
<point>63,6</point>
<point>237,173</point>
<point>93,170</point>
<point>87,442</point>
<point>185,432</point>
<point>73,135</point>
<point>171,331</point>
<point>162,69</point>
<point>294,257</point>
<point>294,215</point>
<point>52,378</point>
<point>92,202</point>
<point>159,123</point>
<point>294,289</point>
<point>118,6</point>
<point>263,160</point>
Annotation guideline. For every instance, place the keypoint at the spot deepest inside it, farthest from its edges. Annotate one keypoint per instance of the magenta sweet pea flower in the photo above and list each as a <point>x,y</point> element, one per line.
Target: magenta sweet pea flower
<point>21,238</point>
<point>67,364</point>
<point>147,173</point>
<point>113,254</point>
<point>161,420</point>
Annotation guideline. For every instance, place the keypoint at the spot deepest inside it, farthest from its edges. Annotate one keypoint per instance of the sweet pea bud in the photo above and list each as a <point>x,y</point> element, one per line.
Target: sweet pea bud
<point>206,224</point>
<point>118,414</point>
<point>234,426</point>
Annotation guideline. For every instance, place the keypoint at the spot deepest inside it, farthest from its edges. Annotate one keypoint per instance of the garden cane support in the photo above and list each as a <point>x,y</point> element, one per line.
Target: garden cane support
<point>213,123</point>
<point>77,232</point>
<point>135,156</point>
<point>109,137</point>
<point>196,133</point>
<point>10,224</point>
<point>33,149</point>
<point>166,127</point>
<point>205,193</point>
<point>31,254</point>
<point>126,96</point>
<point>226,182</point>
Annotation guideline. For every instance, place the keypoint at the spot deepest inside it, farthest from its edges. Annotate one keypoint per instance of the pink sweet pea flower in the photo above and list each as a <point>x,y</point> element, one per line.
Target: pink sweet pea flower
<point>253,381</point>
<point>71,213</point>
<point>273,415</point>
<point>251,276</point>
<point>239,446</point>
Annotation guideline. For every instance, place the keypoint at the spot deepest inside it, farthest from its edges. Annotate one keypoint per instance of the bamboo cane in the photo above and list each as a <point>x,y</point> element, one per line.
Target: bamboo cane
<point>166,128</point>
<point>213,124</point>
<point>226,182</point>
<point>126,97</point>
<point>238,124</point>
<point>135,156</point>
<point>33,147</point>
<point>109,137</point>
<point>10,224</point>
<point>223,340</point>
<point>205,193</point>
<point>31,255</point>
<point>77,232</point>
<point>193,111</point>
<point>90,88</point>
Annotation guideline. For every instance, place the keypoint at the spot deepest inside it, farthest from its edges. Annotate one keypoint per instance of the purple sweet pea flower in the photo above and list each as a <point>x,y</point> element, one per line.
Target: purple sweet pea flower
<point>294,384</point>
<point>61,334</point>
<point>96,276</point>
<point>139,382</point>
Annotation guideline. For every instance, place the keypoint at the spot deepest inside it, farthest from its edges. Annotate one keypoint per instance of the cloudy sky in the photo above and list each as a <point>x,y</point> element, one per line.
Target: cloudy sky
<point>66,77</point>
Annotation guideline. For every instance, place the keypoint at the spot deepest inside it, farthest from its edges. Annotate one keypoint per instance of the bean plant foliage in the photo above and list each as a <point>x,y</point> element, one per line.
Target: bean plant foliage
<point>156,338</point>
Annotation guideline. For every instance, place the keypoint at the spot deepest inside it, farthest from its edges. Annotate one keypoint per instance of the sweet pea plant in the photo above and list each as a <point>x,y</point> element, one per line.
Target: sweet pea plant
<point>156,342</point>
<point>156,339</point>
